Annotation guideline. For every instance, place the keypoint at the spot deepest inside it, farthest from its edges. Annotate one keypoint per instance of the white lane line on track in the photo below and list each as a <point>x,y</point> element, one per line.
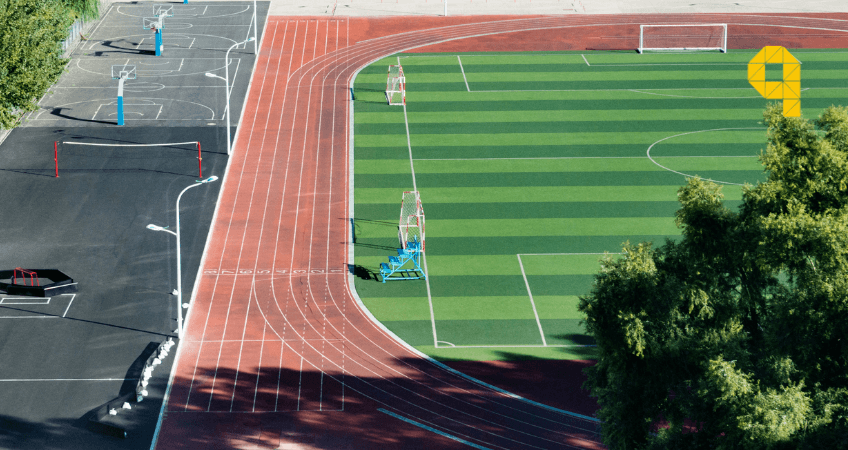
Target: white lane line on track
<point>245,230</point>
<point>230,223</point>
<point>428,428</point>
<point>305,317</point>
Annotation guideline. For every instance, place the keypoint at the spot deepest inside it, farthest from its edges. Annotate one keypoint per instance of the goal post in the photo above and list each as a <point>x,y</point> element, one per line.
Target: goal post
<point>411,224</point>
<point>683,37</point>
<point>396,86</point>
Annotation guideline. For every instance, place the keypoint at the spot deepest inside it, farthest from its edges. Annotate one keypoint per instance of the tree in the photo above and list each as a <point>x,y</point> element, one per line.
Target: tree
<point>736,336</point>
<point>30,53</point>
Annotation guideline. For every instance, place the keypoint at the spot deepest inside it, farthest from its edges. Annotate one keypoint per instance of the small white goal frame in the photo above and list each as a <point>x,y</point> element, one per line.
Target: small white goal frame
<point>722,47</point>
<point>396,85</point>
<point>411,223</point>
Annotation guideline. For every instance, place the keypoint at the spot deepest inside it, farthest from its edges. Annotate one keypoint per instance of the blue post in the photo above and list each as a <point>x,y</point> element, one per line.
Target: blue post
<point>120,110</point>
<point>158,42</point>
<point>121,101</point>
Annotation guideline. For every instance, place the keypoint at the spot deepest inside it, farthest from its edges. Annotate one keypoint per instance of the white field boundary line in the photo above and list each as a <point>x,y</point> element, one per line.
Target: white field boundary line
<point>450,345</point>
<point>581,157</point>
<point>431,429</point>
<point>461,69</point>
<point>587,61</point>
<point>532,303</point>
<point>415,188</point>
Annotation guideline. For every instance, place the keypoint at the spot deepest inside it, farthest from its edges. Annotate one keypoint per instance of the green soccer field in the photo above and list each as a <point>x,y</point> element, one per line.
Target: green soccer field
<point>531,166</point>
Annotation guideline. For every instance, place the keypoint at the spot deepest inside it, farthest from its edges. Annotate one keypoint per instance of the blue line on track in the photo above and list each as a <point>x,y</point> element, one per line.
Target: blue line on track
<point>442,433</point>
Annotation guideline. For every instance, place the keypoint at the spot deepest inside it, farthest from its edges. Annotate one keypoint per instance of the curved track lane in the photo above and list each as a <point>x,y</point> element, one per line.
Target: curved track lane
<point>278,353</point>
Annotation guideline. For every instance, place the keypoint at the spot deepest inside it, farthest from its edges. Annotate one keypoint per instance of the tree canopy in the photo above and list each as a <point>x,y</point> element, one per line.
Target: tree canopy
<point>30,53</point>
<point>736,335</point>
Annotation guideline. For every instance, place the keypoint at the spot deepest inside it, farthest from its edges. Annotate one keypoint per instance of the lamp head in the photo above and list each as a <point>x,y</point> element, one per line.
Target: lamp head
<point>211,75</point>
<point>210,179</point>
<point>155,227</point>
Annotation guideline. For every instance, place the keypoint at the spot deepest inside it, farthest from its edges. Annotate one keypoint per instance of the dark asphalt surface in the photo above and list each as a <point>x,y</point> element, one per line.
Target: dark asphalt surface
<point>64,359</point>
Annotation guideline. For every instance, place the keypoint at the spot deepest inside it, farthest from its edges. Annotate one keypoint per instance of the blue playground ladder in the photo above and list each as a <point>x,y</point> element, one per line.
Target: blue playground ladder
<point>397,268</point>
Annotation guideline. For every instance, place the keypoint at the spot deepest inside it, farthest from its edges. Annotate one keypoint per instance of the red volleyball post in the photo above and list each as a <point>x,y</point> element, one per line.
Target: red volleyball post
<point>56,156</point>
<point>199,162</point>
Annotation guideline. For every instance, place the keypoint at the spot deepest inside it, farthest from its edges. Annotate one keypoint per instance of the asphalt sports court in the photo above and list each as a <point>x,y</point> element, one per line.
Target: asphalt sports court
<point>275,329</point>
<point>67,355</point>
<point>533,166</point>
<point>171,89</point>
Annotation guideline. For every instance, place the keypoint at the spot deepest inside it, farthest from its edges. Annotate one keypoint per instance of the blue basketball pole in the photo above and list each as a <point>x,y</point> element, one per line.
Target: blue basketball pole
<point>158,42</point>
<point>121,101</point>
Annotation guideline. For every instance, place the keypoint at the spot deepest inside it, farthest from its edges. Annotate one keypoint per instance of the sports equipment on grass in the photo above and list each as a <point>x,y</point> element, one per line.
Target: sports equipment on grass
<point>175,157</point>
<point>397,269</point>
<point>683,37</point>
<point>411,226</point>
<point>396,86</point>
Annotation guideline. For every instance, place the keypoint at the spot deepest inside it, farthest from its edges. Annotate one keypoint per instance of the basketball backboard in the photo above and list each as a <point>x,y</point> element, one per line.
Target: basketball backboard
<point>163,10</point>
<point>151,22</point>
<point>123,71</point>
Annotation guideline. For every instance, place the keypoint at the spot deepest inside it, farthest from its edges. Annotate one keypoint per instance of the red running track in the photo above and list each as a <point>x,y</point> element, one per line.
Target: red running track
<point>278,353</point>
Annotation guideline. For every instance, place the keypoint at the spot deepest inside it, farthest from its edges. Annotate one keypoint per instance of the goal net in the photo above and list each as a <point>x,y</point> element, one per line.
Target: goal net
<point>177,158</point>
<point>688,37</point>
<point>411,226</point>
<point>396,86</point>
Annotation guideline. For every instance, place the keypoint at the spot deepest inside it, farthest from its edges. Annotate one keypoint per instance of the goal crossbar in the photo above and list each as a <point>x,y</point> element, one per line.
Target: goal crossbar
<point>683,42</point>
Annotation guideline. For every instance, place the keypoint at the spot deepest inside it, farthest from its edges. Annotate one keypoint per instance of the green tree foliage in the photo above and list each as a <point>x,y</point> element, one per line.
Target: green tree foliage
<point>30,53</point>
<point>736,336</point>
<point>85,9</point>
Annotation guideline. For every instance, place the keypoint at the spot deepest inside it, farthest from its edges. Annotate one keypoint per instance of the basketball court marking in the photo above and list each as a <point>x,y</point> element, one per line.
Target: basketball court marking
<point>36,304</point>
<point>49,380</point>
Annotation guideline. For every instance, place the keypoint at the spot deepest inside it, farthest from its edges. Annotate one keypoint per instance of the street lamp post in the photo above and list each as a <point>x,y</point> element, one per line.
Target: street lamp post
<point>227,81</point>
<point>179,329</point>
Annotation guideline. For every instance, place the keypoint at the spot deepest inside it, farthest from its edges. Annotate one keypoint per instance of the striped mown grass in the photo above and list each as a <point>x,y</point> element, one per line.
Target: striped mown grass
<point>531,166</point>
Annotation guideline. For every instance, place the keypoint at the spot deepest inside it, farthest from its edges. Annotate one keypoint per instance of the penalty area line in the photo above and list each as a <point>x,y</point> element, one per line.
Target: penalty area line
<point>429,428</point>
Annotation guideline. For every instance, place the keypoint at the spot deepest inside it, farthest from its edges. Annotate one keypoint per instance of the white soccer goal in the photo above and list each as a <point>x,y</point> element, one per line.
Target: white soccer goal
<point>411,225</point>
<point>683,37</point>
<point>396,86</point>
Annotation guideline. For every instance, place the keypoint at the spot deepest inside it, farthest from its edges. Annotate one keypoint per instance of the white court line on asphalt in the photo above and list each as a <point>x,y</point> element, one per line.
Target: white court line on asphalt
<point>27,380</point>
<point>532,303</point>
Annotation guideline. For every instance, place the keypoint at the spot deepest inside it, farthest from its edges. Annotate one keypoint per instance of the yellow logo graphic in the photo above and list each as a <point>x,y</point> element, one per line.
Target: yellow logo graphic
<point>789,89</point>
